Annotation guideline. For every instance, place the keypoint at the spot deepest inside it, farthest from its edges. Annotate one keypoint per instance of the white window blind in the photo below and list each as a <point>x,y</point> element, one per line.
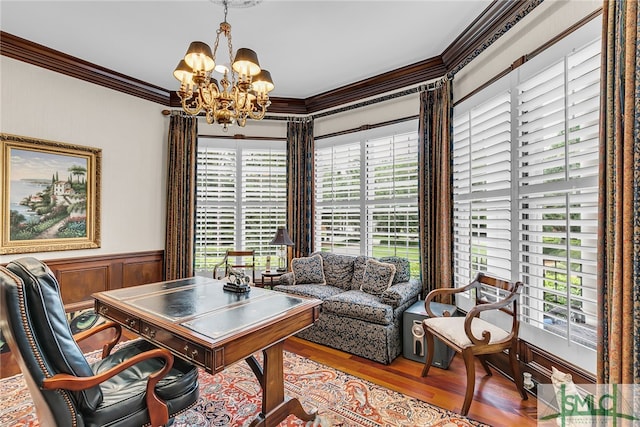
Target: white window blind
<point>558,166</point>
<point>240,200</point>
<point>366,193</point>
<point>337,213</point>
<point>482,190</point>
<point>525,170</point>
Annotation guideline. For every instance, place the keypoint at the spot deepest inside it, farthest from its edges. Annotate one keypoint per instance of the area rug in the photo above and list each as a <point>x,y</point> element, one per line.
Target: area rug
<point>233,398</point>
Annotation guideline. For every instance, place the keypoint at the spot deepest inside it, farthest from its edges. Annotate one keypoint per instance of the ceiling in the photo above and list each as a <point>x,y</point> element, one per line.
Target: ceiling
<point>309,47</point>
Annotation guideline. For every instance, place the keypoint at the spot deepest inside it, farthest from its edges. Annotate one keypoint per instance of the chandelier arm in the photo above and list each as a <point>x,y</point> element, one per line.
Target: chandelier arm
<point>259,115</point>
<point>210,116</point>
<point>192,111</point>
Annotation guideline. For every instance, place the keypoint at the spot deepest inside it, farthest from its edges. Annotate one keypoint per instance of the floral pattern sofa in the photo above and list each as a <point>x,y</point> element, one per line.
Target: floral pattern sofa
<point>362,303</point>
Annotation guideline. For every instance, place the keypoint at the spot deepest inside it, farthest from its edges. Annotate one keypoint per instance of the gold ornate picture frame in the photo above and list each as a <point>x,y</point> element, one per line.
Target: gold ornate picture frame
<point>50,195</point>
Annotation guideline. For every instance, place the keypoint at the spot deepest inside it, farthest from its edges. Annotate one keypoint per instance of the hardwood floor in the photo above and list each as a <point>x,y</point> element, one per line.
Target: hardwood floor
<point>496,401</point>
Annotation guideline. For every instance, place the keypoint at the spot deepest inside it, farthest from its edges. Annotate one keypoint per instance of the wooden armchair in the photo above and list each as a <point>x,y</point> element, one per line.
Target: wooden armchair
<point>472,336</point>
<point>237,260</point>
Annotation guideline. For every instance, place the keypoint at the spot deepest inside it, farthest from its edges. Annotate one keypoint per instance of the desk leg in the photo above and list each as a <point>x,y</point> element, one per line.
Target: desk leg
<point>271,377</point>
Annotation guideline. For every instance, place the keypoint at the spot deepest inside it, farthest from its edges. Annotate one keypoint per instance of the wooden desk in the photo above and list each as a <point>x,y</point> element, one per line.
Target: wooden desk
<point>200,322</point>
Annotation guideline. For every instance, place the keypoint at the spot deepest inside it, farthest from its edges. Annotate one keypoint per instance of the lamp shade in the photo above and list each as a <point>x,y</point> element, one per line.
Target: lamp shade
<point>282,237</point>
<point>246,62</point>
<point>262,83</point>
<point>199,57</point>
<point>183,72</point>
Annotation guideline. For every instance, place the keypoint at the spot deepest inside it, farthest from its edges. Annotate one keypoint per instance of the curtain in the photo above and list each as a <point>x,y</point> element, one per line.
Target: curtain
<point>435,186</point>
<point>619,200</point>
<point>181,196</point>
<point>300,185</point>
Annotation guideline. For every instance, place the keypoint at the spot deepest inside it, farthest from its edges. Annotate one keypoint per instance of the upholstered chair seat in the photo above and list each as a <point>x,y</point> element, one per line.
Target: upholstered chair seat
<point>453,329</point>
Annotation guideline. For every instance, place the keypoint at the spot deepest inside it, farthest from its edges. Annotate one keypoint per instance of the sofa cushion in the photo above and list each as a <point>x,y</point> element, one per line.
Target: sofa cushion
<point>338,269</point>
<point>378,276</point>
<point>359,265</point>
<point>308,270</point>
<point>315,291</point>
<point>403,268</point>
<point>359,305</point>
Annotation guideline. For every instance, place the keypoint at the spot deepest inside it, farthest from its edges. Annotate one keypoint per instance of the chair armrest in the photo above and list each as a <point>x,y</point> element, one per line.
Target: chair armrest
<point>475,312</point>
<point>214,273</point>
<point>441,292</point>
<point>287,279</point>
<point>158,411</point>
<point>400,293</point>
<point>108,346</point>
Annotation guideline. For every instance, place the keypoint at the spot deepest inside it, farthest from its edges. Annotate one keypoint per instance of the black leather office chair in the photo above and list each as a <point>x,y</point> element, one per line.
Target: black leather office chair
<point>137,385</point>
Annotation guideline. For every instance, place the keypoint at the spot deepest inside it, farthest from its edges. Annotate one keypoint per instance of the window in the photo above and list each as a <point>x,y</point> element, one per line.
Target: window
<point>240,200</point>
<point>525,176</point>
<point>366,187</point>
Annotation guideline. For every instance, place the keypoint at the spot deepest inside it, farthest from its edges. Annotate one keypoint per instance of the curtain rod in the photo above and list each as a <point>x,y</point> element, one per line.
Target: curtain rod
<point>433,85</point>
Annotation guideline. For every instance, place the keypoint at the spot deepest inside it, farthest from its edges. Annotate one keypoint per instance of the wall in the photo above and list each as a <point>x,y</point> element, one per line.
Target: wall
<point>262,129</point>
<point>131,132</point>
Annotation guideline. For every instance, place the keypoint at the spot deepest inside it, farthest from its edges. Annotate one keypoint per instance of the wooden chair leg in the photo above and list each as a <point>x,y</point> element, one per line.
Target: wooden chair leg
<point>485,365</point>
<point>429,341</point>
<point>515,369</point>
<point>467,355</point>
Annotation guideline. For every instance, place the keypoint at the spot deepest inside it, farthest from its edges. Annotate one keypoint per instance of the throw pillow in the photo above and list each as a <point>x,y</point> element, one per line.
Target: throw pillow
<point>378,276</point>
<point>403,269</point>
<point>308,270</point>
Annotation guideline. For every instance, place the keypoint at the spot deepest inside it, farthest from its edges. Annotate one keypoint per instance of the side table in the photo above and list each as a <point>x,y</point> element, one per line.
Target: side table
<point>271,274</point>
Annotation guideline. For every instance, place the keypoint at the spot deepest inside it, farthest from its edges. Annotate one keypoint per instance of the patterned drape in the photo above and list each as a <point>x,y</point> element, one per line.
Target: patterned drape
<point>300,185</point>
<point>619,204</point>
<point>434,186</point>
<point>181,196</point>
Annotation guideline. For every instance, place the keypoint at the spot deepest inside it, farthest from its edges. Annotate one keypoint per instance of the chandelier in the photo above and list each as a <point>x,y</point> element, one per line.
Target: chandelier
<point>241,93</point>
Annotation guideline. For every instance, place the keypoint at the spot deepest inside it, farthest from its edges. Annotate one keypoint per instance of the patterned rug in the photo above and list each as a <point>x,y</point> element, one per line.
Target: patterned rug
<point>233,398</point>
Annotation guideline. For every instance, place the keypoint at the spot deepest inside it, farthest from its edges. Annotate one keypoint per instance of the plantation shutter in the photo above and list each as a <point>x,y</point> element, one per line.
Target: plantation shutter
<point>391,183</point>
<point>215,204</point>
<point>558,156</point>
<point>482,190</point>
<point>263,197</point>
<point>366,193</point>
<point>337,213</point>
<point>241,198</point>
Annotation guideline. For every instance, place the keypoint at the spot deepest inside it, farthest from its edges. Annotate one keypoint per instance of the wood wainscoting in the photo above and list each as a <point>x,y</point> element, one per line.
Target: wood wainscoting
<point>80,277</point>
<point>538,362</point>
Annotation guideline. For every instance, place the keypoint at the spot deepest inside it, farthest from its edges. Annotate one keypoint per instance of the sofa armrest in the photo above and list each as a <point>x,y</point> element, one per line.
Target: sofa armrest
<point>287,279</point>
<point>401,292</point>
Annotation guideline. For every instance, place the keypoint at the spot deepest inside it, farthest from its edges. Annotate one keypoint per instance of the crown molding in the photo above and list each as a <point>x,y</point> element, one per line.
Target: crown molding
<point>42,56</point>
<point>494,21</point>
<point>399,78</point>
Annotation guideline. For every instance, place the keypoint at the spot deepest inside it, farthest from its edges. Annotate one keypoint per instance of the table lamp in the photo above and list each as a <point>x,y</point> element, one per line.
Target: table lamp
<point>282,238</point>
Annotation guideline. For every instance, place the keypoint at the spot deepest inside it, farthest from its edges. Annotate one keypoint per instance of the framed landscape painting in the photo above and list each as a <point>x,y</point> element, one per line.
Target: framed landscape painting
<point>50,195</point>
